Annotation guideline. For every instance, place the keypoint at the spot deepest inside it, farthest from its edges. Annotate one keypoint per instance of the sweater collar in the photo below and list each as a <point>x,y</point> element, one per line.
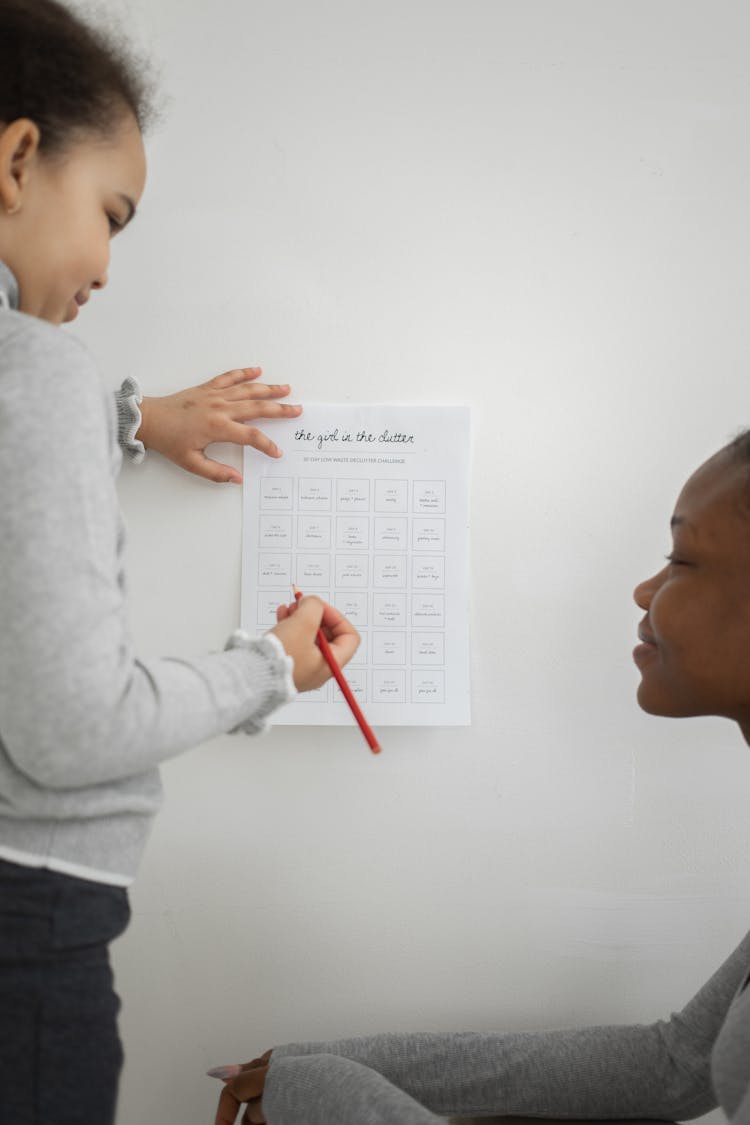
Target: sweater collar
<point>8,288</point>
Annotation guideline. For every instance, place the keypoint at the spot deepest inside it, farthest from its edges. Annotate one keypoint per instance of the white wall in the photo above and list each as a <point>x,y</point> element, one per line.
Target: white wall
<point>539,207</point>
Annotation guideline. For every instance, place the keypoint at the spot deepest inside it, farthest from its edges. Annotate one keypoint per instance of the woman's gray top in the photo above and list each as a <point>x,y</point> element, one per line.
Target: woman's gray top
<point>673,1069</point>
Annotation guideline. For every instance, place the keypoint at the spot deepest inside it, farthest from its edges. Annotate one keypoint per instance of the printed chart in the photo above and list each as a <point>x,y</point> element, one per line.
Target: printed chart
<point>368,509</point>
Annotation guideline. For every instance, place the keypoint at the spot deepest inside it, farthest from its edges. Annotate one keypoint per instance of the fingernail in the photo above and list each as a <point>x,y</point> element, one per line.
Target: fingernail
<point>224,1072</point>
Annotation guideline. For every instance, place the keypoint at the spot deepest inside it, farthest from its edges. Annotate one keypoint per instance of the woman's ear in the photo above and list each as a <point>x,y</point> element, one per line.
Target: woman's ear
<point>19,147</point>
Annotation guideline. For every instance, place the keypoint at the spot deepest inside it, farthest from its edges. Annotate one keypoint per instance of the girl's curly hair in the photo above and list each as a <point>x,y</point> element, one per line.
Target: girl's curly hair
<point>68,77</point>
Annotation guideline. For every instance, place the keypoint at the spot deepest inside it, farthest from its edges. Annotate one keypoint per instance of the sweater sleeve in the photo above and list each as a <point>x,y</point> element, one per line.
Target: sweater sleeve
<point>334,1090</point>
<point>77,707</point>
<point>741,1116</point>
<point>128,399</point>
<point>660,1071</point>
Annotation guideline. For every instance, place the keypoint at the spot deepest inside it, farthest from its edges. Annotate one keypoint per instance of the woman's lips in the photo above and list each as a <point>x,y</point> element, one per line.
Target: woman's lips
<point>643,652</point>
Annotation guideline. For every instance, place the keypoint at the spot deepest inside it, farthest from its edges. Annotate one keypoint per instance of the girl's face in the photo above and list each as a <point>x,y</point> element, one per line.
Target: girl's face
<point>694,655</point>
<point>66,210</point>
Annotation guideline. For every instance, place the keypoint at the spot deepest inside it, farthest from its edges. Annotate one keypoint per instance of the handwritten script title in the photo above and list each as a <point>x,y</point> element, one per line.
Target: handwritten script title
<point>357,437</point>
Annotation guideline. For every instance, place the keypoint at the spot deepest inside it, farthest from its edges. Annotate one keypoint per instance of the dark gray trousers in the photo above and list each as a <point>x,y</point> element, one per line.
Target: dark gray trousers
<point>60,1052</point>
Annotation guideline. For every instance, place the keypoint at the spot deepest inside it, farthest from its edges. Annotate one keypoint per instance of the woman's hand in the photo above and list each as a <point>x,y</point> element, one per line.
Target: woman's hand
<point>242,1084</point>
<point>297,629</point>
<point>180,426</point>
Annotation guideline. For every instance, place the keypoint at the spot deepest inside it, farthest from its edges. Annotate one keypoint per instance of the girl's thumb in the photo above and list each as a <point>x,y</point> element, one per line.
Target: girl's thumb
<point>311,609</point>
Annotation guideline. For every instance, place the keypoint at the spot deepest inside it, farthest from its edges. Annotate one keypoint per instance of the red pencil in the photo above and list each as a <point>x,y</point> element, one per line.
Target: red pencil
<point>346,691</point>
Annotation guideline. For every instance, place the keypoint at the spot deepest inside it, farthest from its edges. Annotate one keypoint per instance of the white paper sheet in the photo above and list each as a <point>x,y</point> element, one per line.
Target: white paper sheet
<point>368,509</point>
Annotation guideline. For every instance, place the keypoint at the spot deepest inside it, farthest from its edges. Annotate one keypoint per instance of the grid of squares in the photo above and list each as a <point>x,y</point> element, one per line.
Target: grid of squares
<point>376,550</point>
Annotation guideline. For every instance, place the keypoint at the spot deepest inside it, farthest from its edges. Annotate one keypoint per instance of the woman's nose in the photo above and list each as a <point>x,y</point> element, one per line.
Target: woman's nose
<point>645,591</point>
<point>641,595</point>
<point>100,281</point>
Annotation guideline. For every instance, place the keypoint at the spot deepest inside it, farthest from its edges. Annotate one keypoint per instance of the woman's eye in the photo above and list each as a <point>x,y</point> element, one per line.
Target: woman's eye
<point>675,560</point>
<point>114,225</point>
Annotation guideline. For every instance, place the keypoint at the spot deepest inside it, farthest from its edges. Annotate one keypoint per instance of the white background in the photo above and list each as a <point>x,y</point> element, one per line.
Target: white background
<point>538,207</point>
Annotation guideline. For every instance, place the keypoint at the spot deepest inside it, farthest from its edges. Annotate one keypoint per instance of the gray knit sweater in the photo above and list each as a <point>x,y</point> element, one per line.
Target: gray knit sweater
<point>673,1069</point>
<point>83,722</point>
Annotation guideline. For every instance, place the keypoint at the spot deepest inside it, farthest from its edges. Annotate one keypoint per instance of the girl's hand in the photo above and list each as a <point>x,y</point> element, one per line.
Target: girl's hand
<point>297,628</point>
<point>242,1084</point>
<point>180,426</point>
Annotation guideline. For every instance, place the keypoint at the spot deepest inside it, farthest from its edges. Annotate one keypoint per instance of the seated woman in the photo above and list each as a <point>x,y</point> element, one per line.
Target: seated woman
<point>694,659</point>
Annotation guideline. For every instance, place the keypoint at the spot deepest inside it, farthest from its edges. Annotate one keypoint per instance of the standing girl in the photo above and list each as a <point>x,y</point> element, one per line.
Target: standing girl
<point>83,723</point>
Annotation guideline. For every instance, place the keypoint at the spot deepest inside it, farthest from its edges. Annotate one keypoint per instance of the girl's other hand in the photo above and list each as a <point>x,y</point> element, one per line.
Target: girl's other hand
<point>297,629</point>
<point>180,426</point>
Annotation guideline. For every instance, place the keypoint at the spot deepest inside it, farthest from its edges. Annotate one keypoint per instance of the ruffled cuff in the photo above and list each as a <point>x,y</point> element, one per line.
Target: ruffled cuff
<point>240,639</point>
<point>128,399</point>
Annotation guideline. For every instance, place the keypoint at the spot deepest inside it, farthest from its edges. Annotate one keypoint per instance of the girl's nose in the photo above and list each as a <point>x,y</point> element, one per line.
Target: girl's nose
<point>100,281</point>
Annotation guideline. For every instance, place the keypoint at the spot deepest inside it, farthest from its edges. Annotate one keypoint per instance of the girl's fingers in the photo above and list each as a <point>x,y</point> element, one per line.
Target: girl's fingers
<point>285,611</point>
<point>343,646</point>
<point>246,411</point>
<point>197,462</point>
<point>343,639</point>
<point>267,390</point>
<point>257,391</point>
<point>335,624</point>
<point>330,619</point>
<point>241,434</point>
<point>236,375</point>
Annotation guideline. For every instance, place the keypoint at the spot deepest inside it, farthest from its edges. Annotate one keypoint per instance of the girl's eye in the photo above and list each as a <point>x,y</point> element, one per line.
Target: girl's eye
<point>114,226</point>
<point>674,560</point>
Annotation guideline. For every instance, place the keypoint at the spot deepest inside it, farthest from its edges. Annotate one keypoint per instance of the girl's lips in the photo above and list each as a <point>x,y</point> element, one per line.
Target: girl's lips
<point>75,305</point>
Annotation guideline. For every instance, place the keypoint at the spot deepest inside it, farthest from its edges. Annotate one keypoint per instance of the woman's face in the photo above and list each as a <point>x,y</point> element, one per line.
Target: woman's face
<point>694,655</point>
